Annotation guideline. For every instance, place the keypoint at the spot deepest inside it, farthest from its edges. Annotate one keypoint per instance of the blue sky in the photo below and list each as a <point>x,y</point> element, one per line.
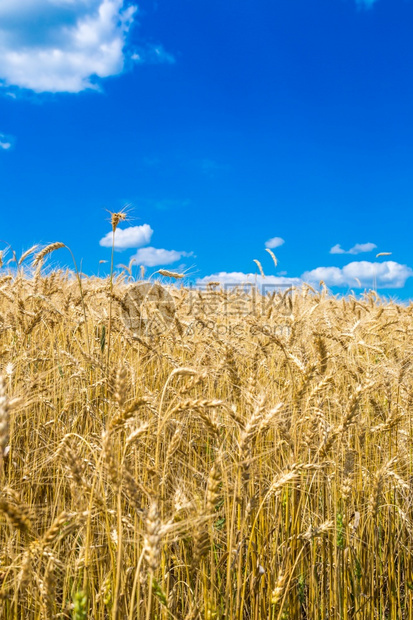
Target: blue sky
<point>223,124</point>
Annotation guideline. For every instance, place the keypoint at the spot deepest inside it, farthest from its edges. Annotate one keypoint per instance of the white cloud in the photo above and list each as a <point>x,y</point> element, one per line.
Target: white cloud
<point>154,257</point>
<point>66,45</point>
<point>6,142</point>
<point>357,274</point>
<point>337,249</point>
<point>388,274</point>
<point>237,278</point>
<point>131,237</point>
<point>275,242</point>
<point>359,248</point>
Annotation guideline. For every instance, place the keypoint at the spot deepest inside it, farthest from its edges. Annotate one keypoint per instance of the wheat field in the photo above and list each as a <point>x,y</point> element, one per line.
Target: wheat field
<point>232,455</point>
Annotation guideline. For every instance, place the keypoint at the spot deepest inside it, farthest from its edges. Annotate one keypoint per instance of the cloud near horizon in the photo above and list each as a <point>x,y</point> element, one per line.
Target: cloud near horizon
<point>359,248</point>
<point>358,274</point>
<point>237,278</point>
<point>155,257</point>
<point>74,43</point>
<point>362,274</point>
<point>131,237</point>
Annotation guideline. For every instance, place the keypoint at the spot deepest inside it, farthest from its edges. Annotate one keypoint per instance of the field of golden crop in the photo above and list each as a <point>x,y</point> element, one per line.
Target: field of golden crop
<point>232,456</point>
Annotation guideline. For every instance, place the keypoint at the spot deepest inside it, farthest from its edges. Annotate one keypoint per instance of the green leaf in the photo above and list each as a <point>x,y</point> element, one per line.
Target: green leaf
<point>159,593</point>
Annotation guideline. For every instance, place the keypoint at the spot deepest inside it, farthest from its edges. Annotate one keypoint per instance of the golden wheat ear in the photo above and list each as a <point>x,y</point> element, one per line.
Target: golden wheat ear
<point>40,256</point>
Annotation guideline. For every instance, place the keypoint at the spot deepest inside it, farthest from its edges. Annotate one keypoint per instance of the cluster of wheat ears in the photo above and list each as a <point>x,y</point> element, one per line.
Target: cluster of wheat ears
<point>251,457</point>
